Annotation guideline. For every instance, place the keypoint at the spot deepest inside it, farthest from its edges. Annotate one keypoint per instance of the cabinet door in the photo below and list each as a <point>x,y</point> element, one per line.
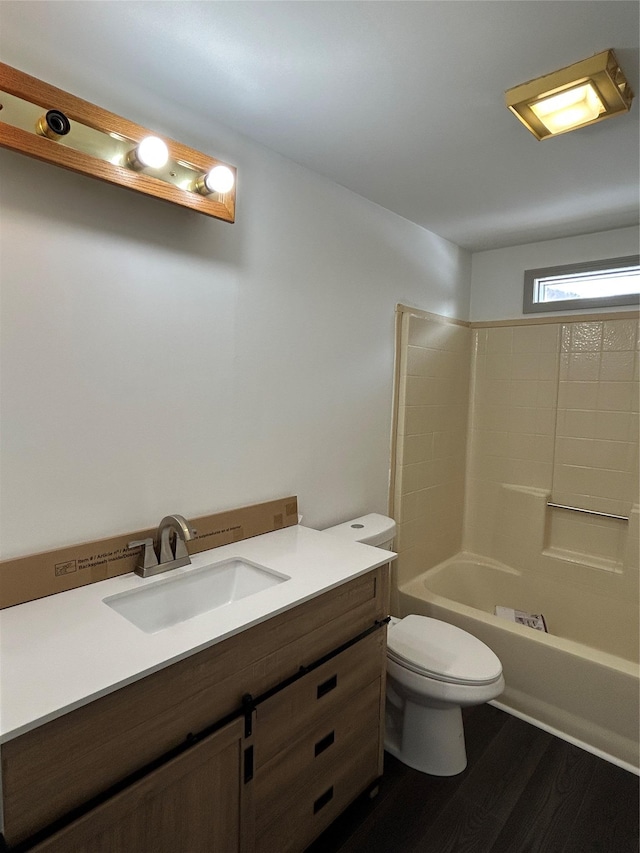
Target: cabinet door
<point>193,803</point>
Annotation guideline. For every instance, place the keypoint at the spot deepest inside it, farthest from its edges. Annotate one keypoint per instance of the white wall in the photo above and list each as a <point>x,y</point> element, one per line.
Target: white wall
<point>497,277</point>
<point>155,360</point>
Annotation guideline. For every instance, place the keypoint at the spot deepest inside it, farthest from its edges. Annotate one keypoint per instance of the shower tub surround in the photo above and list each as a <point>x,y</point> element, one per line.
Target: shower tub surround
<point>553,418</point>
<point>580,681</point>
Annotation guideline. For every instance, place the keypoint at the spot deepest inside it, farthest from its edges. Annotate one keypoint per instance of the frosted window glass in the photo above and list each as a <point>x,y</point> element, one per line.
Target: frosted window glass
<point>584,285</point>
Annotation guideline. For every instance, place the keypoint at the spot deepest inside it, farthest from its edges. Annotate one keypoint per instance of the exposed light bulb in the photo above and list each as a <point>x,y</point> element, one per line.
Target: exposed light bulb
<point>219,180</point>
<point>572,108</point>
<point>151,152</point>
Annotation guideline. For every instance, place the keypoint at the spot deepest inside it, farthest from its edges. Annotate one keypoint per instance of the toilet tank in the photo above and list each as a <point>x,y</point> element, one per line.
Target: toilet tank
<point>371,529</point>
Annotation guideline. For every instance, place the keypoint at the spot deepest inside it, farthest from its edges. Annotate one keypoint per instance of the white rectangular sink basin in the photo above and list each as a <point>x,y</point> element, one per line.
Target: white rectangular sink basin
<point>175,599</point>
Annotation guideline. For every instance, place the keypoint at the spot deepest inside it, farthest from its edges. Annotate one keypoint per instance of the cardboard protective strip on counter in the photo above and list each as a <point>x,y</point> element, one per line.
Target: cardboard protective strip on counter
<point>38,575</point>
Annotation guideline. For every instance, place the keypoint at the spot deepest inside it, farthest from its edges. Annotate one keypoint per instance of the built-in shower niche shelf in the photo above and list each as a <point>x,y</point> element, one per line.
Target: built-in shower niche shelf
<point>587,560</point>
<point>586,536</point>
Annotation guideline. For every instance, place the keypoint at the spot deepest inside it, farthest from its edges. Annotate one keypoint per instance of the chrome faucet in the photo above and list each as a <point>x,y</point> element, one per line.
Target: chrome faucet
<point>165,555</point>
<point>183,533</point>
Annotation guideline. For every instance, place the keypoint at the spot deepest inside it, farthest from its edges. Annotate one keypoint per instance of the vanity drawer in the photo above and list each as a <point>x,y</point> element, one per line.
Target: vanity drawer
<point>316,754</point>
<point>322,694</point>
<point>307,807</point>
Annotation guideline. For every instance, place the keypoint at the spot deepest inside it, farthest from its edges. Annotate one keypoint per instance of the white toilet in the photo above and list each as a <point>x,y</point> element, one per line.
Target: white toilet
<point>434,669</point>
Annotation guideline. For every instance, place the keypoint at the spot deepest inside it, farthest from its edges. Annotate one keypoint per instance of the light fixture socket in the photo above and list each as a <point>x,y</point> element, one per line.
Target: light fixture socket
<point>53,124</point>
<point>600,72</point>
<point>201,187</point>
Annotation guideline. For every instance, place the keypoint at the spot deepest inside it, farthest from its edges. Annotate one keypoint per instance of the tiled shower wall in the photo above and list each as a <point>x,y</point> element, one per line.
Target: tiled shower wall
<point>553,417</point>
<point>433,404</point>
<point>514,396</point>
<point>596,461</point>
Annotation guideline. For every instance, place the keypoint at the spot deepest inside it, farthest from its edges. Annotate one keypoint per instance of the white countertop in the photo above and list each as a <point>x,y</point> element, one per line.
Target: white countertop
<point>61,652</point>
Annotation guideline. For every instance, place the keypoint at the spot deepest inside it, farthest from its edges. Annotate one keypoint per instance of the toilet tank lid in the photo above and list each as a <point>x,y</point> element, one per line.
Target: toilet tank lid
<point>371,529</point>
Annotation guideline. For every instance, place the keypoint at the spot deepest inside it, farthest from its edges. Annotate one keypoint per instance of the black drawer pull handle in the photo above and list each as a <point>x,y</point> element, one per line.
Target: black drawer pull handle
<point>325,743</point>
<point>327,686</point>
<point>322,800</point>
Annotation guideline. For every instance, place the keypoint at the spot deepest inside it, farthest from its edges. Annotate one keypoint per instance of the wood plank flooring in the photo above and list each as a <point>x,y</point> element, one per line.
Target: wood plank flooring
<point>524,791</point>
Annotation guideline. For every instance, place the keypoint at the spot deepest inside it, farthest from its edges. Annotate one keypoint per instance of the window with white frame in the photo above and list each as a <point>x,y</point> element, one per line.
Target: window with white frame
<point>595,284</point>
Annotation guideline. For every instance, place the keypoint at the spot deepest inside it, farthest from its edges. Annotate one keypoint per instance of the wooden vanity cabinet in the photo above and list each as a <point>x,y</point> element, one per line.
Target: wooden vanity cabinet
<point>311,683</point>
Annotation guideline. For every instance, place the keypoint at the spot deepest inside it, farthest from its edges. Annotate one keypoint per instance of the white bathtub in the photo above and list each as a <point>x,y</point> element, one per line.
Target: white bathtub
<point>580,681</point>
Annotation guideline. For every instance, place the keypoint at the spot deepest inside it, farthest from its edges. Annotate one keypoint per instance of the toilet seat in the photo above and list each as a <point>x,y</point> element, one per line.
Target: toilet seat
<point>441,651</point>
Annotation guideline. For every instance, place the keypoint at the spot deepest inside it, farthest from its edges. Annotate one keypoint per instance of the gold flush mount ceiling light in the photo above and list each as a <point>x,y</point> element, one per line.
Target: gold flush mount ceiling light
<point>580,94</point>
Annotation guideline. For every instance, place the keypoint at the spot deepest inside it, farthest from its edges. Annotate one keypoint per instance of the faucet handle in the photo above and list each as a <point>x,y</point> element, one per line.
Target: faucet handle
<point>149,559</point>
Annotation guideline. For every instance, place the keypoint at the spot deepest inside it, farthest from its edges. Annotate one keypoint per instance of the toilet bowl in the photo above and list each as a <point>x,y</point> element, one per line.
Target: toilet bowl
<point>434,669</point>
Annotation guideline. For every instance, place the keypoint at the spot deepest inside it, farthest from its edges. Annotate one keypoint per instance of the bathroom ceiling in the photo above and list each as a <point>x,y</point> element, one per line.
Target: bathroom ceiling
<point>401,102</point>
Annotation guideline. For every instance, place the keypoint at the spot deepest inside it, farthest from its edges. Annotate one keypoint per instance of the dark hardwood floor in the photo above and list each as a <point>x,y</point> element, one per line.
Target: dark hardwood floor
<point>524,791</point>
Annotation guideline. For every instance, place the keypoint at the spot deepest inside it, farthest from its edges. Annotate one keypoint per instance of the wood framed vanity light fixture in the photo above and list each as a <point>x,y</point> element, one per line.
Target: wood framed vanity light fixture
<point>47,123</point>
